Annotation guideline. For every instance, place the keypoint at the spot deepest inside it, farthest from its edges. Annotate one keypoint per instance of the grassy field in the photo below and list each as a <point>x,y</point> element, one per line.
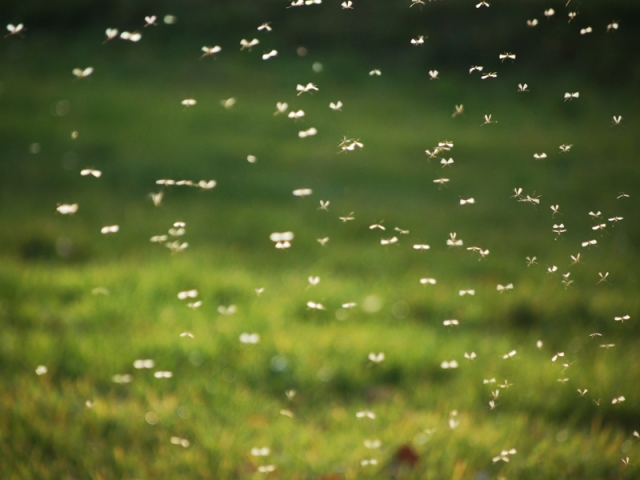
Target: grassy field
<point>226,397</point>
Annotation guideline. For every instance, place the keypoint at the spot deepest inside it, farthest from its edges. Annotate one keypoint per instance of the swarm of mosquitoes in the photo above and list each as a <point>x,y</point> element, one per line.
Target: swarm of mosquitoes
<point>283,240</point>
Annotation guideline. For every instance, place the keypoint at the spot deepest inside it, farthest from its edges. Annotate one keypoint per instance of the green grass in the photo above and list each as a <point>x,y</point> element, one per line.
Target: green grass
<point>226,397</point>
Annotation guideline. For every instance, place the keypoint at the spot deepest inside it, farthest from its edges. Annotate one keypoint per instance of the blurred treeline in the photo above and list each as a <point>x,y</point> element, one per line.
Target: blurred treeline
<point>374,28</point>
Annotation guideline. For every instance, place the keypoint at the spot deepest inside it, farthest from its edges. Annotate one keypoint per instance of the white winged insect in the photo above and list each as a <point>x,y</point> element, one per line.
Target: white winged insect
<point>249,338</point>
<point>449,364</point>
<point>144,363</point>
<point>476,68</point>
<point>549,12</point>
<point>388,241</point>
<point>14,29</point>
<point>210,50</point>
<point>366,414</point>
<point>622,319</point>
<point>584,31</point>
<point>82,73</point>
<point>504,288</point>
<point>421,246</point>
<point>91,171</point>
<point>260,452</point>
<point>313,281</point>
<point>150,20</point>
<point>487,120</point>
<point>459,110</point>
<point>540,156</point>
<point>302,192</point>
<point>110,229</point>
<point>378,226</point>
<point>368,461</point>
<point>248,45</point>
<point>511,354</point>
<point>111,33</point>
<point>376,357</point>
<point>483,3</point>
<point>268,55</point>
<point>504,455</point>
<point>571,96</point>
<point>282,239</point>
<point>523,87</point>
<point>428,281</point>
<point>268,468</point>
<point>612,26</point>
<point>375,72</point>
<point>372,444</point>
<point>315,306</point>
<point>434,74</point>
<point>489,75</point>
<point>556,356</point>
<point>470,356</point>
<point>265,27</point>
<point>401,231</point>
<point>347,218</point>
<point>617,120</point>
<point>453,241</point>
<point>531,261</point>
<point>418,41</point>
<point>309,87</point>
<point>571,16</point>
<point>67,209</point>
<point>337,106</point>
<point>324,205</point>
<point>441,181</point>
<point>451,323</point>
<point>565,148</point>
<point>188,102</point>
<point>347,5</point>
<point>296,114</point>
<point>507,56</point>
<point>468,201</point>
<point>618,400</point>
<point>462,293</point>
<point>162,374</point>
<point>131,36</point>
<point>281,107</point>
<point>309,132</point>
<point>532,23</point>
<point>588,243</point>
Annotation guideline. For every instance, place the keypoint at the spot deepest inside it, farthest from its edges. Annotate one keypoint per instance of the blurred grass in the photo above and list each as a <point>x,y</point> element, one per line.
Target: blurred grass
<point>225,397</point>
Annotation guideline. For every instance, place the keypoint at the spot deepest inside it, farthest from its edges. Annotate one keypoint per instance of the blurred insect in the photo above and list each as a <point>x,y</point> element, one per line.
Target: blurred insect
<point>571,96</point>
<point>259,291</point>
<point>612,26</point>
<point>302,192</point>
<point>268,55</point>
<point>416,2</point>
<point>401,231</point>
<point>466,292</point>
<point>366,414</point>
<point>347,218</point>
<point>310,132</point>
<point>608,345</point>
<point>111,33</point>
<point>446,163</point>
<point>206,185</point>
<point>370,461</point>
<point>131,36</point>
<point>248,45</point>
<point>336,106</point>
<point>489,75</point>
<point>323,241</point>
<point>265,27</point>
<point>376,72</point>
<point>376,358</point>
<point>441,181</point>
<point>600,226</point>
<point>584,31</point>
<point>228,103</point>
<point>158,238</point>
<point>622,195</point>
<point>449,364</point>
<point>483,253</point>
<point>576,259</point>
<point>552,269</point>
<point>588,243</point>
<point>118,378</point>
<point>483,3</point>
<point>554,209</point>
<point>487,120</point>
<point>470,356</point>
<point>556,356</point>
<point>350,144</point>
<point>282,239</point>
<point>260,452</point>
<point>459,110</point>
<point>347,5</point>
<point>389,241</point>
<point>506,55</point>
<point>188,102</point>
<point>296,115</point>
<point>150,20</point>
<point>523,87</point>
<point>67,209</point>
<point>269,468</point>
<point>450,323</point>
<point>563,380</point>
<point>372,444</point>
<point>476,68</point>
<point>315,306</point>
<point>531,261</point>
<point>224,310</point>
<point>281,107</point>
<point>504,288</point>
<point>377,225</point>
<point>162,374</point>
<point>249,338</point>
<point>511,354</point>
<point>418,41</point>
<point>348,305</point>
<point>80,73</point>
<point>625,462</point>
<point>324,205</point>
<point>540,156</point>
<point>617,120</point>
<point>571,16</point>
<point>532,23</point>
<point>468,201</point>
<point>428,281</point>
<point>558,229</point>
<point>614,220</point>
<point>187,294</point>
<point>582,392</point>
<point>504,455</point>
<point>109,229</point>
<point>147,363</point>
<point>565,148</point>
<point>453,241</point>
<point>549,12</point>
<point>619,399</point>
<point>14,29</point>
<point>622,319</point>
<point>41,370</point>
<point>433,74</point>
<point>90,171</point>
<point>603,277</point>
<point>194,305</point>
